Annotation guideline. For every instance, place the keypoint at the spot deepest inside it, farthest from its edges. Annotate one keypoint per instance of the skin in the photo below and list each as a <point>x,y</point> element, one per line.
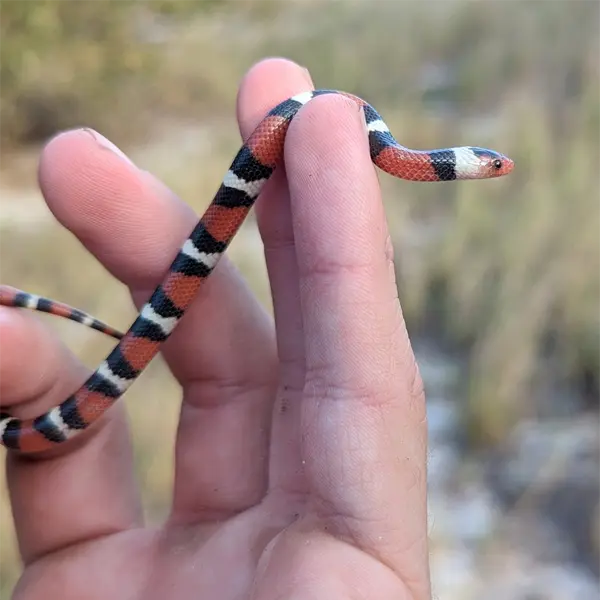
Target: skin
<point>301,449</point>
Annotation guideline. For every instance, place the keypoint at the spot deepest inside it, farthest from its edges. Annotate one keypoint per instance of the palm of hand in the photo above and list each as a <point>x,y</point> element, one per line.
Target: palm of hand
<point>300,454</point>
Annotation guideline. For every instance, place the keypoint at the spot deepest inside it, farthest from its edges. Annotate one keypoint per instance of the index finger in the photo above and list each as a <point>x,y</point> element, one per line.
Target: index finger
<point>364,420</point>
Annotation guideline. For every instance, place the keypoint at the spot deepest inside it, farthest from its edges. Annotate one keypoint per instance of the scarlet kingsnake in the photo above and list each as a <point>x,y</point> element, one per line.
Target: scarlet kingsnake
<point>200,253</point>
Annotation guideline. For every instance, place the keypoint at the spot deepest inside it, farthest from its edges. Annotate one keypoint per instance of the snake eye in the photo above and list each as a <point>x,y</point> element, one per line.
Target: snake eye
<point>497,164</point>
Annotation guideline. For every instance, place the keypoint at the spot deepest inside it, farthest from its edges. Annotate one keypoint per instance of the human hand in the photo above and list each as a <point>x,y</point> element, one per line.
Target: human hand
<point>301,449</point>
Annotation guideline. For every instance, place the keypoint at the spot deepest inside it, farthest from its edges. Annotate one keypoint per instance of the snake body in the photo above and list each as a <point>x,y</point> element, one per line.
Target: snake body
<point>198,256</point>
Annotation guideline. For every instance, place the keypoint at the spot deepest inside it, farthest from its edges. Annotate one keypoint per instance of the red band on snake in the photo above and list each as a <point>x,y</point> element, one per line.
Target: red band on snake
<point>199,255</point>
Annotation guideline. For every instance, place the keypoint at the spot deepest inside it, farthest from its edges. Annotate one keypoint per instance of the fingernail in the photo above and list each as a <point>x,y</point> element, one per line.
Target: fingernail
<point>363,119</point>
<point>102,141</point>
<point>307,77</point>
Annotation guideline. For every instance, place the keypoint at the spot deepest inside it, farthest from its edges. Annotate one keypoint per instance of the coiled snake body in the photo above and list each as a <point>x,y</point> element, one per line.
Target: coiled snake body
<point>200,253</point>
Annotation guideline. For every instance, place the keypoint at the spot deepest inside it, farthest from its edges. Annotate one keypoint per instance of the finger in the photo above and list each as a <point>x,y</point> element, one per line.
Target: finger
<point>364,427</point>
<point>265,85</point>
<point>72,496</point>
<point>223,351</point>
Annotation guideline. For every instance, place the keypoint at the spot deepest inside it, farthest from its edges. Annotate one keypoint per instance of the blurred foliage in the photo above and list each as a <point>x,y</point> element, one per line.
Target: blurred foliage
<point>67,62</point>
<point>53,54</point>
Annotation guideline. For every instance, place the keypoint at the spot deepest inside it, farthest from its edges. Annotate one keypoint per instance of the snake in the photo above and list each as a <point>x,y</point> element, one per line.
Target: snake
<point>200,253</point>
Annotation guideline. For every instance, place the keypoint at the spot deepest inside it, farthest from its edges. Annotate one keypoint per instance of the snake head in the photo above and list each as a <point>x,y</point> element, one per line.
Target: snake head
<point>485,164</point>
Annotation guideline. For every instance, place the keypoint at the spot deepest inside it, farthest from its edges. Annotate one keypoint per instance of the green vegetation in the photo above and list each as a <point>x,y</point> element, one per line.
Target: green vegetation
<point>510,270</point>
<point>64,63</point>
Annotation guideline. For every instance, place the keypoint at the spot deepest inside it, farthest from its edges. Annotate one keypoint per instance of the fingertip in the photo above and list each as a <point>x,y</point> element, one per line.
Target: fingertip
<point>86,135</point>
<point>267,83</point>
<point>81,174</point>
<point>69,150</point>
<point>115,209</point>
<point>331,119</point>
<point>327,154</point>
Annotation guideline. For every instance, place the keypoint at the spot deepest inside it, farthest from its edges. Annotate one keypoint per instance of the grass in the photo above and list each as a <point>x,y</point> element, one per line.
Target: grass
<point>508,272</point>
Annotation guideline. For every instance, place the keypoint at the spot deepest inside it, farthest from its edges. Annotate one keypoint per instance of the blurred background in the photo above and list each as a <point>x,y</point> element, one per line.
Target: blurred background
<point>499,281</point>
